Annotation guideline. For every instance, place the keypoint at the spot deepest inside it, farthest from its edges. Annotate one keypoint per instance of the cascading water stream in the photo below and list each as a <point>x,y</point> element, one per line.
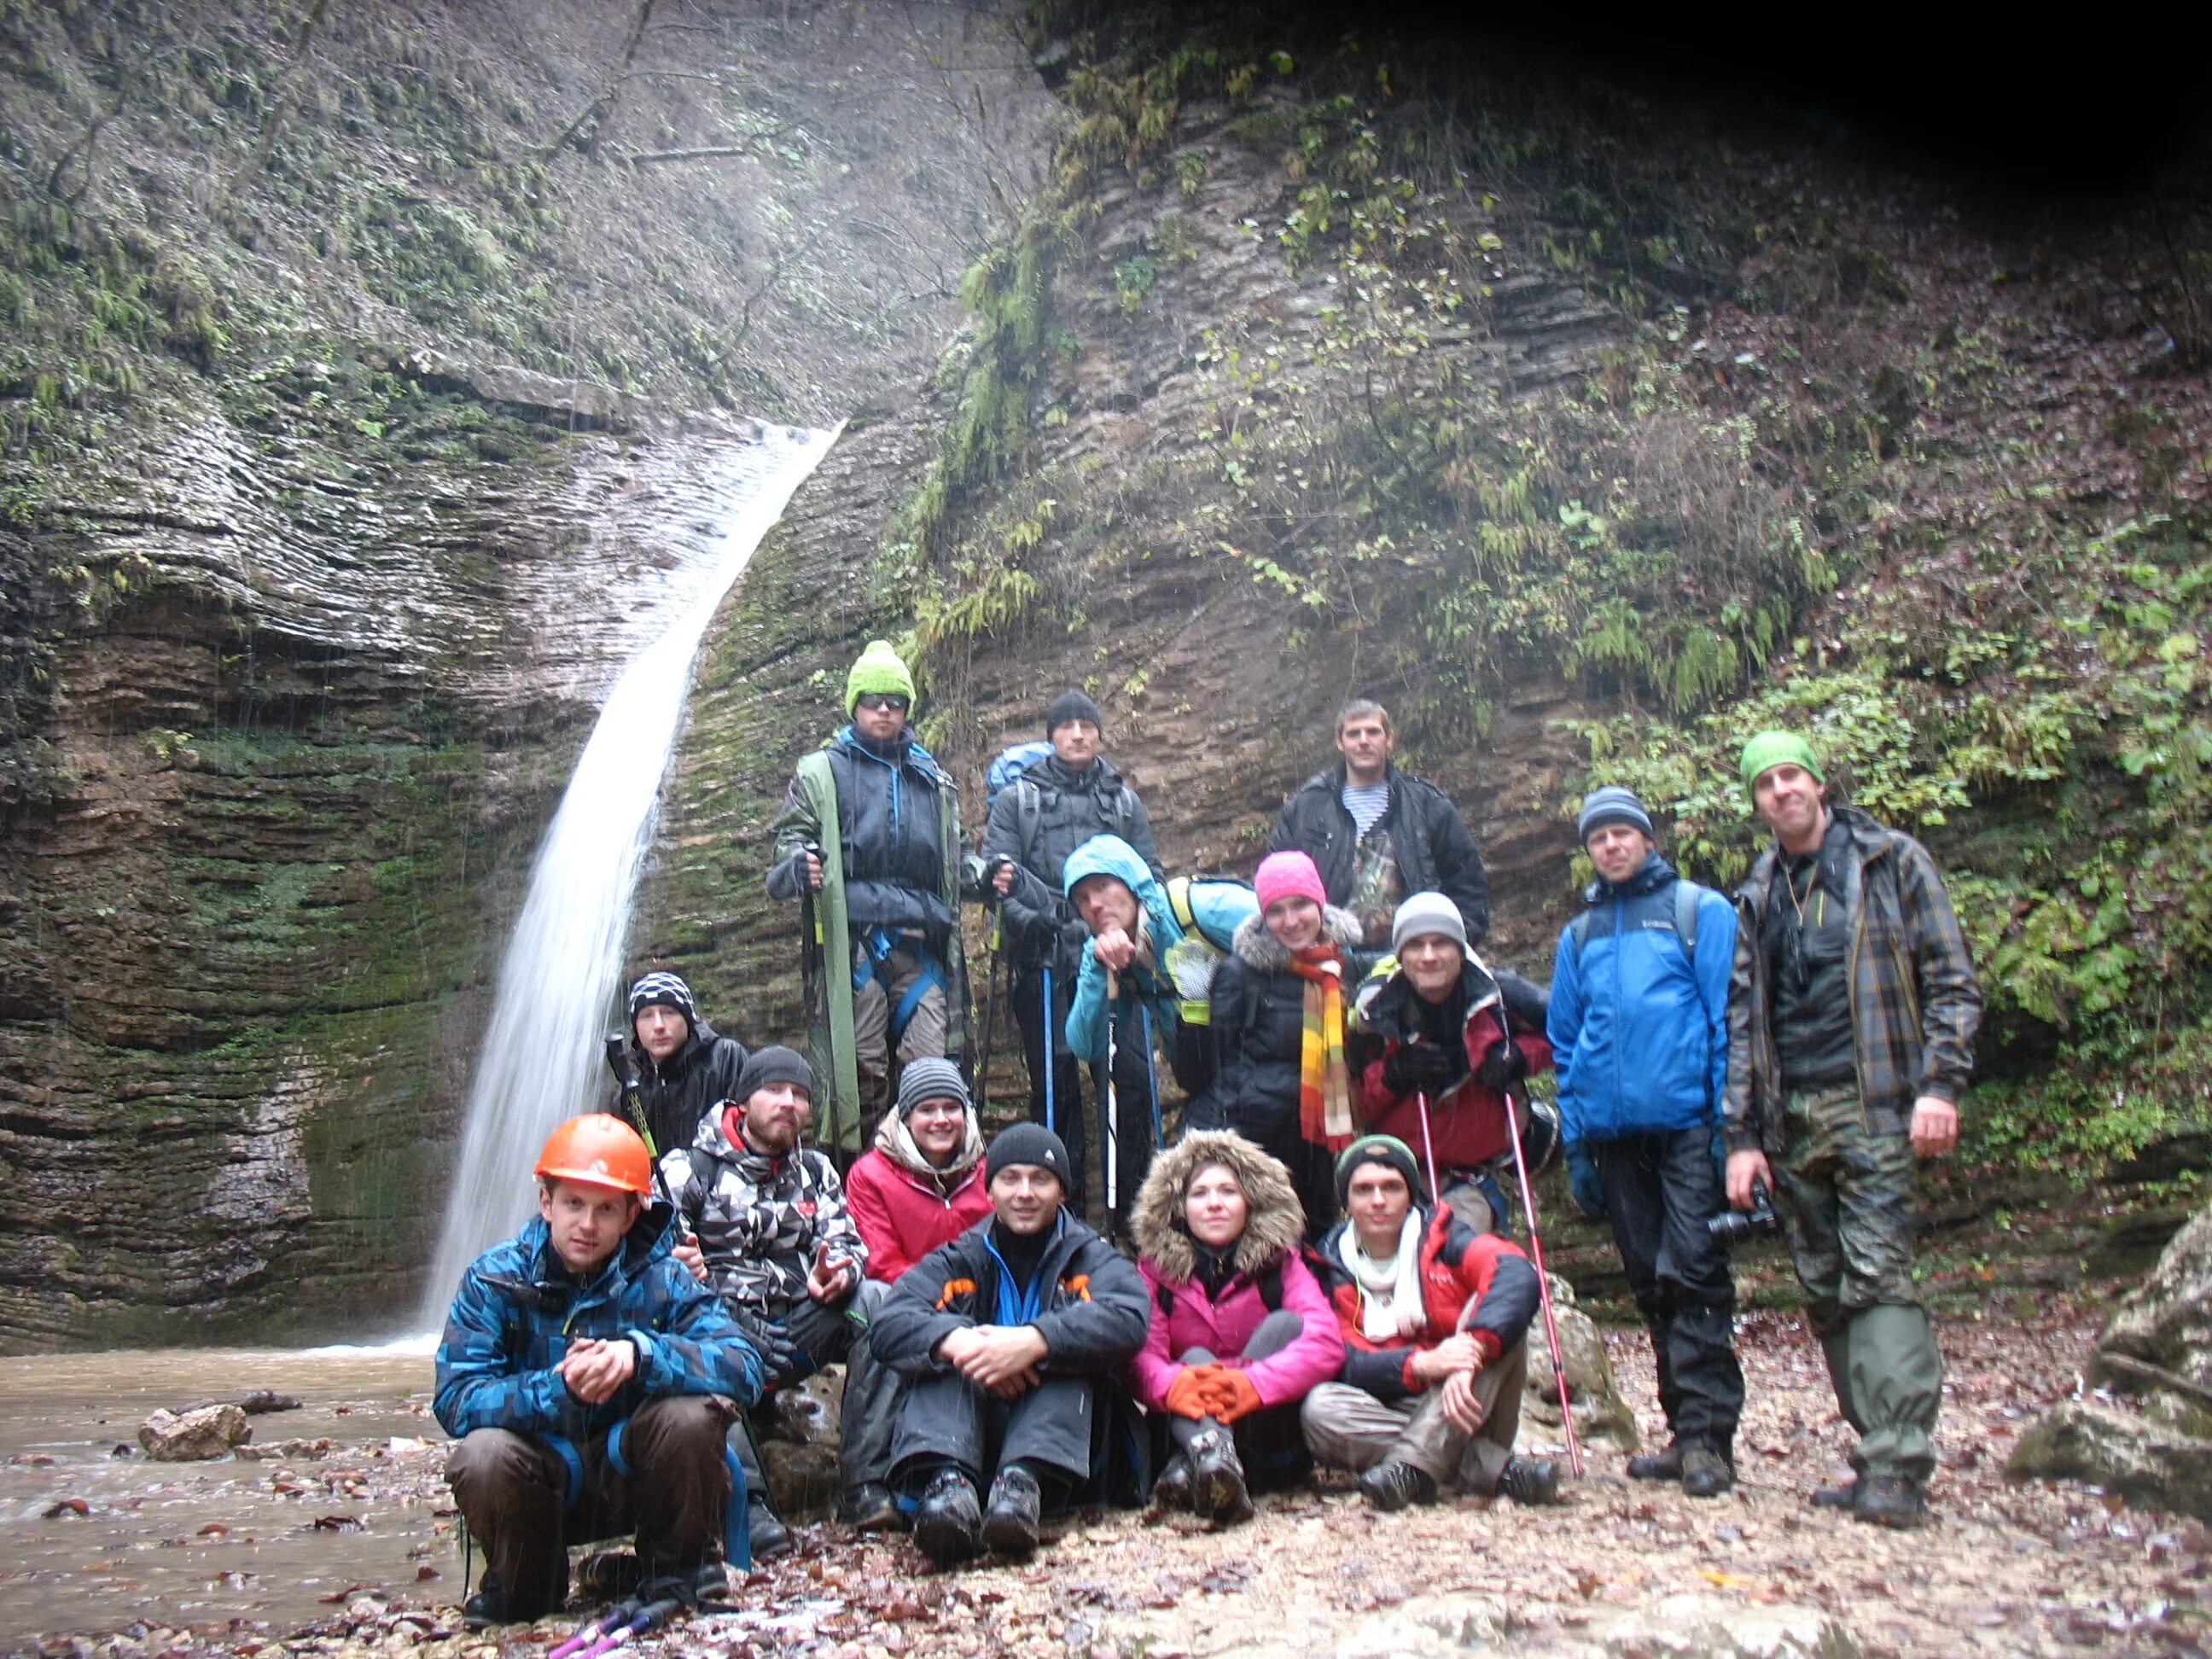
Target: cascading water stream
<point>562,973</point>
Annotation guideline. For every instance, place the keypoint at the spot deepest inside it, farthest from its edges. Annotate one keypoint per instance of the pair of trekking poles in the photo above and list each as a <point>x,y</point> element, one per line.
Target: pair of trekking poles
<point>1110,1135</point>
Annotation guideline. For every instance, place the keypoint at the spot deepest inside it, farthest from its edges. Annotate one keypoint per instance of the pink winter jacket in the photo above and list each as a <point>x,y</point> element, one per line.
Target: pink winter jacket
<point>1193,1320</point>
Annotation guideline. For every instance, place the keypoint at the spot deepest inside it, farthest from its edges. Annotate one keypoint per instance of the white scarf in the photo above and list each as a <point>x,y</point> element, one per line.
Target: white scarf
<point>894,1140</point>
<point>1389,1292</point>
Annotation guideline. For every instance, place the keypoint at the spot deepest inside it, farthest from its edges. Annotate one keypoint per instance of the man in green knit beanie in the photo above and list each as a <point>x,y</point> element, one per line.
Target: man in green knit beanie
<point>1852,1011</point>
<point>868,842</point>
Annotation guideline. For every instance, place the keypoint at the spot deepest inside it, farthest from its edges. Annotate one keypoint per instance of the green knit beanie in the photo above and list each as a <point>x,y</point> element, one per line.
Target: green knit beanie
<point>878,670</point>
<point>1770,749</point>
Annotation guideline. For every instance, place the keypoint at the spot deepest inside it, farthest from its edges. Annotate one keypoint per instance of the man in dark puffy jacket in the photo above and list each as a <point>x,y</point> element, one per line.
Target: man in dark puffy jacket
<point>869,841</point>
<point>1639,1023</point>
<point>1435,1319</point>
<point>1013,1336</point>
<point>1058,803</point>
<point>682,1064</point>
<point>783,1252</point>
<point>589,1379</point>
<point>1378,833</point>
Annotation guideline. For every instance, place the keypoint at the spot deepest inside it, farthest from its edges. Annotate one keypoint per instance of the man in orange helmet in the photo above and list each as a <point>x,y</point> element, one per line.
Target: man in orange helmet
<point>589,1378</point>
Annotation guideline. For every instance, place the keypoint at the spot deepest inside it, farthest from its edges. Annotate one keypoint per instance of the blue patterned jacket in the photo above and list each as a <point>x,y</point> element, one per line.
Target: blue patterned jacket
<point>518,1309</point>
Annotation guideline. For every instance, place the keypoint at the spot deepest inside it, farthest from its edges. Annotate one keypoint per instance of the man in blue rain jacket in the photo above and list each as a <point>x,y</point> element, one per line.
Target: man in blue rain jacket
<point>589,1378</point>
<point>1638,1025</point>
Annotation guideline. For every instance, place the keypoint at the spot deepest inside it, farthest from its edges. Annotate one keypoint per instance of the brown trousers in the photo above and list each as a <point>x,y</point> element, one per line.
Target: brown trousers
<point>513,1489</point>
<point>1349,1428</point>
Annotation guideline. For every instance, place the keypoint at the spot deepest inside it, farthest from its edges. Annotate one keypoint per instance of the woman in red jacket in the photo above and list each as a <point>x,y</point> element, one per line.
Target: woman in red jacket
<point>1240,1330</point>
<point>922,1184</point>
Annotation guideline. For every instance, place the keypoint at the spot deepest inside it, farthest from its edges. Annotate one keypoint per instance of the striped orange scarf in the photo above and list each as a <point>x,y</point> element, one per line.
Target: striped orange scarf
<point>1324,1083</point>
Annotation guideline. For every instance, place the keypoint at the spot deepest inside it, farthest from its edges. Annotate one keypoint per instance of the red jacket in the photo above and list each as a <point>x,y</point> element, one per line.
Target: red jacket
<point>1468,1276</point>
<point>1466,1124</point>
<point>903,1216</point>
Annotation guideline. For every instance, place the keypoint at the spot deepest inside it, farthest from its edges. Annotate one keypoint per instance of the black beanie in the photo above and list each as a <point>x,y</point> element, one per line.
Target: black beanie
<point>1027,1143</point>
<point>1388,1151</point>
<point>662,990</point>
<point>1070,706</point>
<point>774,1065</point>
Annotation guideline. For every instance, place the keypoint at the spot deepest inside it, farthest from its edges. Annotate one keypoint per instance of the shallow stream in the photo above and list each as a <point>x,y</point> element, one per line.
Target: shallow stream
<point>94,1536</point>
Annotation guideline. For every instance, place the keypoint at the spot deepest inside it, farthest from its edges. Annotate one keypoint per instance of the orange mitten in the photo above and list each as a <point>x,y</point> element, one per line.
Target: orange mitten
<point>1190,1394</point>
<point>1235,1396</point>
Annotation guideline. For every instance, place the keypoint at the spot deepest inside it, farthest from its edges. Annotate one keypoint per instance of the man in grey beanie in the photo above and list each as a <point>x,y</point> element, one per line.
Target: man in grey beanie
<point>1638,1025</point>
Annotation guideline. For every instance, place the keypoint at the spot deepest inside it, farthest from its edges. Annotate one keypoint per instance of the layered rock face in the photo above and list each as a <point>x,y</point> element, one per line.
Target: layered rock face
<point>308,611</point>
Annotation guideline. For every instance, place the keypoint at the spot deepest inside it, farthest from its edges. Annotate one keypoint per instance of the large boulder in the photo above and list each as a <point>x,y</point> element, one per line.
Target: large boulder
<point>1602,1416</point>
<point>2157,1350</point>
<point>189,1437</point>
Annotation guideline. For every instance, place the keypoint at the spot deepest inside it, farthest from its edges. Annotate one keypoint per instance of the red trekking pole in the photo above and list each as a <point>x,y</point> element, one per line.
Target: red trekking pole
<point>1543,1281</point>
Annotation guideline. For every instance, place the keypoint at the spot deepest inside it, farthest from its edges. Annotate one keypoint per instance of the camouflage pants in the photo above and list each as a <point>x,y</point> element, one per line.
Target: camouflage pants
<point>1845,1198</point>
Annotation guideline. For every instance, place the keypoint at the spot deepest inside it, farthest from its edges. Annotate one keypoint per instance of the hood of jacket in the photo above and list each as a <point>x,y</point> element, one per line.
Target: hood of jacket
<point>894,1140</point>
<point>1261,951</point>
<point>1382,1001</point>
<point>1099,778</point>
<point>1654,872</point>
<point>651,1235</point>
<point>700,1038</point>
<point>1274,1223</point>
<point>1110,855</point>
<point>906,751</point>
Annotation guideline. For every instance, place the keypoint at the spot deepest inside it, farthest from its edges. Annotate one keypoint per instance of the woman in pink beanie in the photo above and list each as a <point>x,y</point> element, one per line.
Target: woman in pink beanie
<point>1278,1007</point>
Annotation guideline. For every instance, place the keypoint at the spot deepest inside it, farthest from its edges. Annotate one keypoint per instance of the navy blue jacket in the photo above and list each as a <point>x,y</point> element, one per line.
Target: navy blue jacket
<point>1639,1039</point>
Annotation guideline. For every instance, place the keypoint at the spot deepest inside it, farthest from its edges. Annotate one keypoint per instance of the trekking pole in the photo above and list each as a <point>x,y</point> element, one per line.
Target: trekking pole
<point>1113,1128</point>
<point>647,1618</point>
<point>1543,1279</point>
<point>1428,1147</point>
<point>1051,1048</point>
<point>1151,1075</point>
<point>617,1053</point>
<point>591,1629</point>
<point>990,1002</point>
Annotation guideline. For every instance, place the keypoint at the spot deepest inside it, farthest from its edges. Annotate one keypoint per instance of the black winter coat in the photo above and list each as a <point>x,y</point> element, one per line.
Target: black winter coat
<point>1259,1032</point>
<point>890,823</point>
<point>677,1093</point>
<point>1435,853</point>
<point>1042,928</point>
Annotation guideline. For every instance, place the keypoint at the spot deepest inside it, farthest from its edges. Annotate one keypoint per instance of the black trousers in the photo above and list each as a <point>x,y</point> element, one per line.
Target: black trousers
<point>1661,1190</point>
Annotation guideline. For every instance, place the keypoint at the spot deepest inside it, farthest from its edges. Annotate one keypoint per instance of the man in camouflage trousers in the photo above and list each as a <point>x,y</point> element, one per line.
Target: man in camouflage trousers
<point>1852,1011</point>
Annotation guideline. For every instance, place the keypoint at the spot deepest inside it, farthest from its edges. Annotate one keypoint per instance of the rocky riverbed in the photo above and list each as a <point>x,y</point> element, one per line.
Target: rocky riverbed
<point>217,1558</point>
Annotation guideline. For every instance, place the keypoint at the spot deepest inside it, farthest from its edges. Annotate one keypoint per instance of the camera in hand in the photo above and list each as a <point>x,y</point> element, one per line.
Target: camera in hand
<point>1733,1227</point>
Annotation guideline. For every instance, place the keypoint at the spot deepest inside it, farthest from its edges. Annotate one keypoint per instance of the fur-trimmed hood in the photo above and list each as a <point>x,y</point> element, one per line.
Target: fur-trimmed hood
<point>1274,1224</point>
<point>1262,951</point>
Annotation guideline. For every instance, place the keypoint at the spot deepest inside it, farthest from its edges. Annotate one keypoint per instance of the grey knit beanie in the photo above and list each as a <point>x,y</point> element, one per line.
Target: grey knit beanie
<point>1427,912</point>
<point>1611,804</point>
<point>930,1079</point>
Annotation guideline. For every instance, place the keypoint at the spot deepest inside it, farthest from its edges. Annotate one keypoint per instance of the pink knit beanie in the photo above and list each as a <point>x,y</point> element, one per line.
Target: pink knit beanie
<point>1283,875</point>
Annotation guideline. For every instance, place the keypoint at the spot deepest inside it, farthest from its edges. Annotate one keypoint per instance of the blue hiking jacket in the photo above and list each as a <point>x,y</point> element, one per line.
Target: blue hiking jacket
<point>1640,1041</point>
<point>1219,908</point>
<point>518,1309</point>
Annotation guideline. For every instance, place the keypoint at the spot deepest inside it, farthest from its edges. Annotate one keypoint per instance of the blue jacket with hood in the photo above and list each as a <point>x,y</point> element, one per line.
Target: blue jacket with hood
<point>1639,1033</point>
<point>1217,908</point>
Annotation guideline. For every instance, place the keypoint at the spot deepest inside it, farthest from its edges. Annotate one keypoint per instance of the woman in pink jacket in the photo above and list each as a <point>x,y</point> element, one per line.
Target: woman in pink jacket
<point>1241,1331</point>
<point>922,1185</point>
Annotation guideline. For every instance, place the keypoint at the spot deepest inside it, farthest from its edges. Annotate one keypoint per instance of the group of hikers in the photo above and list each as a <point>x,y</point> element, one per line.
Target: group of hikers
<point>1317,1272</point>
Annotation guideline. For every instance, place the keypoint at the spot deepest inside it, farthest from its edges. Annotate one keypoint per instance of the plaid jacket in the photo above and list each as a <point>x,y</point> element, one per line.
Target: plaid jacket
<point>517,1311</point>
<point>1915,1004</point>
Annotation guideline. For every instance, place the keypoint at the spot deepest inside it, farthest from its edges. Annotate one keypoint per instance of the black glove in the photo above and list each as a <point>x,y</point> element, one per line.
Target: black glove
<point>1504,1069</point>
<point>769,1341</point>
<point>1417,1068</point>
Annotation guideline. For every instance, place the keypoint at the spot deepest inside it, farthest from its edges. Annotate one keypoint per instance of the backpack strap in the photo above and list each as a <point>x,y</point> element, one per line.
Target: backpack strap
<point>1687,897</point>
<point>1271,1287</point>
<point>1029,811</point>
<point>1179,902</point>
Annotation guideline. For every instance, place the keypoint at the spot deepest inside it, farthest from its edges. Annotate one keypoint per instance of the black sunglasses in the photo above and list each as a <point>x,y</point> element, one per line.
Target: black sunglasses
<point>872,700</point>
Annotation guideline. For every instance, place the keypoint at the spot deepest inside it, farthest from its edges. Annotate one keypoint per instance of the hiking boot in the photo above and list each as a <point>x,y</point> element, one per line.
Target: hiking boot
<point>1657,1465</point>
<point>1889,1500</point>
<point>1707,1473</point>
<point>1217,1479</point>
<point>706,1586</point>
<point>608,1575</point>
<point>769,1535</point>
<point>1393,1486</point>
<point>1837,1497</point>
<point>870,1507</point>
<point>1530,1481</point>
<point>946,1524</point>
<point>1172,1489</point>
<point>1010,1525</point>
<point>491,1605</point>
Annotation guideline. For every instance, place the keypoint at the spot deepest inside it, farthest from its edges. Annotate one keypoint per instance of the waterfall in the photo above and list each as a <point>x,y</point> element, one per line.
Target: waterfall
<point>561,977</point>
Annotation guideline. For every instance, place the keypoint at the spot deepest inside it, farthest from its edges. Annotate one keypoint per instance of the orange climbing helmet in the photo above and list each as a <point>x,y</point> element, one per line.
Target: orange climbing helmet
<point>598,1150</point>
